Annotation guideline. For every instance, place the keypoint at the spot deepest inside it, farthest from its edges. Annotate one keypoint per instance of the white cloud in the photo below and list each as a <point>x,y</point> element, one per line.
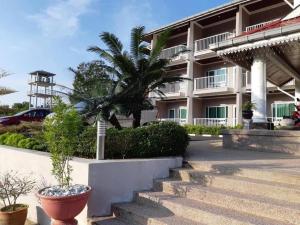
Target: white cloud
<point>61,19</point>
<point>134,13</point>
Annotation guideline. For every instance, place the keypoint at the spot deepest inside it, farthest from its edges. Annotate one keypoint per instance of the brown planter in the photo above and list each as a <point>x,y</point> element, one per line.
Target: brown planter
<point>17,217</point>
<point>64,209</point>
<point>247,114</point>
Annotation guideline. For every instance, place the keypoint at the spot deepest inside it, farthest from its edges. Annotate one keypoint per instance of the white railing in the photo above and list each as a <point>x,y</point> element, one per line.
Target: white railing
<point>176,120</point>
<point>47,80</point>
<point>171,88</point>
<point>41,92</point>
<point>216,122</point>
<point>212,82</point>
<point>203,44</point>
<point>259,25</point>
<point>169,53</point>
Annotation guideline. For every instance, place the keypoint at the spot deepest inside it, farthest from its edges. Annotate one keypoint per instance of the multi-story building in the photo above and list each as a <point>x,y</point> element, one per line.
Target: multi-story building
<point>217,89</point>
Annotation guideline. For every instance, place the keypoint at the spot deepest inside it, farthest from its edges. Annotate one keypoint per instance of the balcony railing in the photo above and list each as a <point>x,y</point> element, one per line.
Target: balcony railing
<point>212,82</point>
<point>216,122</point>
<point>41,80</point>
<point>259,25</point>
<point>203,44</point>
<point>169,53</point>
<point>176,120</point>
<point>41,92</point>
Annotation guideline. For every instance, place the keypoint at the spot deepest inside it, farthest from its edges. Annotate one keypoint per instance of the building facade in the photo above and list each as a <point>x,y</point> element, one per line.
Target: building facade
<point>216,89</point>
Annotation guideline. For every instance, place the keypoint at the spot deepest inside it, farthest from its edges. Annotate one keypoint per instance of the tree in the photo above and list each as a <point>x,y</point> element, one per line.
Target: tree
<point>5,90</point>
<point>136,73</point>
<point>19,107</point>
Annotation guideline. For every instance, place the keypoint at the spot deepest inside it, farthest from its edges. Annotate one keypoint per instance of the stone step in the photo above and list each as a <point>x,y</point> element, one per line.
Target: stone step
<point>139,214</point>
<point>247,203</point>
<point>201,212</point>
<point>109,221</point>
<point>273,175</point>
<point>284,192</point>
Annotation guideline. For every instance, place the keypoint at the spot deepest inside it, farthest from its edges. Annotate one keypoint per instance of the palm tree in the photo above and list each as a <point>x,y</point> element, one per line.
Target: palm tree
<point>136,73</point>
<point>5,90</point>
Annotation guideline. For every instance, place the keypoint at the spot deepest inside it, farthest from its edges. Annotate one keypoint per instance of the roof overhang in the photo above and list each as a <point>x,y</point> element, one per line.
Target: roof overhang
<point>280,46</point>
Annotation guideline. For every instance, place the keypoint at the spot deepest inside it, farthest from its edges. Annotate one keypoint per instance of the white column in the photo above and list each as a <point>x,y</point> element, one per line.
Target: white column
<point>259,89</point>
<point>239,94</point>
<point>297,89</point>
<point>190,74</point>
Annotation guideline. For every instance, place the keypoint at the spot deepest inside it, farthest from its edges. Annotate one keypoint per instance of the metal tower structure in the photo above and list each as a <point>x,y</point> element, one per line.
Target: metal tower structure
<point>41,93</point>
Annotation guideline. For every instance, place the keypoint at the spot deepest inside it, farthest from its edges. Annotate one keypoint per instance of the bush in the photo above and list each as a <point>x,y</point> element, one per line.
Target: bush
<point>3,138</point>
<point>156,140</point>
<point>87,143</point>
<point>26,128</point>
<point>211,130</point>
<point>14,139</point>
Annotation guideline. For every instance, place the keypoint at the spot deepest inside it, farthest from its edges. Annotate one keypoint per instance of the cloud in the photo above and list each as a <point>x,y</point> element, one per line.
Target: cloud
<point>134,13</point>
<point>61,19</point>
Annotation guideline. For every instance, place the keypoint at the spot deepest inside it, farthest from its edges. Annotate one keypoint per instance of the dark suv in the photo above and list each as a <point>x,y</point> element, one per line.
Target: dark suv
<point>32,115</point>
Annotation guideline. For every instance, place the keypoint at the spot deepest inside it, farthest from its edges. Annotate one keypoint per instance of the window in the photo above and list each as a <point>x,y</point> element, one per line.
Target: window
<point>171,113</point>
<point>217,112</point>
<point>182,113</point>
<point>216,78</point>
<point>280,110</point>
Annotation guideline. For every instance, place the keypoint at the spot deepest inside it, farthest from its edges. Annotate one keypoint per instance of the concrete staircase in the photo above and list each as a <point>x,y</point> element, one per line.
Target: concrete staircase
<point>218,192</point>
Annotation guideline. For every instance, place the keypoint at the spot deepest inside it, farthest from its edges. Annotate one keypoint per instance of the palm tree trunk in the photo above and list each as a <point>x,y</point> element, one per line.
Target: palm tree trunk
<point>137,116</point>
<point>115,122</point>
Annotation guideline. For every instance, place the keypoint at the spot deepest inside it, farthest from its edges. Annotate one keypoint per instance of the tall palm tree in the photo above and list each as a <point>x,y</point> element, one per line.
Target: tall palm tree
<point>136,73</point>
<point>5,90</point>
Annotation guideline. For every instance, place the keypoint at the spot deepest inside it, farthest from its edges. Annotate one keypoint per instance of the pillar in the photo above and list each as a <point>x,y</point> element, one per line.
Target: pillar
<point>259,89</point>
<point>190,74</point>
<point>239,94</point>
<point>297,90</point>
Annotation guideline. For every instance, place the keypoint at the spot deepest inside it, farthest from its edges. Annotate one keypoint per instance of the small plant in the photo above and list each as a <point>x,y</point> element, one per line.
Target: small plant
<point>249,106</point>
<point>62,137</point>
<point>13,186</point>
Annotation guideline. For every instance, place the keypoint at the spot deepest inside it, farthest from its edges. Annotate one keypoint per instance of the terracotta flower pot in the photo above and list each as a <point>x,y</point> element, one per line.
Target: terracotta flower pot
<point>64,209</point>
<point>17,217</point>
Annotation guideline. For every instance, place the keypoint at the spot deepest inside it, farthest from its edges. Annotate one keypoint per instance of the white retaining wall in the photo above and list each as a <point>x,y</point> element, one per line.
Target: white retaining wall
<point>112,181</point>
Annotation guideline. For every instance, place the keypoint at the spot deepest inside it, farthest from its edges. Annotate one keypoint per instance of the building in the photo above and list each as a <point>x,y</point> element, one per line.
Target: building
<point>217,88</point>
<point>41,93</point>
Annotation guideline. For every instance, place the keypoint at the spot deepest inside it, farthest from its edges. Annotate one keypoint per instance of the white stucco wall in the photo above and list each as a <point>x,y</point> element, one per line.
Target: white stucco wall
<point>112,180</point>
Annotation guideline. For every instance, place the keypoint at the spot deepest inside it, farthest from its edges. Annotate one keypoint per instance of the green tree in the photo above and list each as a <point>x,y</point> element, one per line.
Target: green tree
<point>61,133</point>
<point>135,73</point>
<point>19,107</point>
<point>90,79</point>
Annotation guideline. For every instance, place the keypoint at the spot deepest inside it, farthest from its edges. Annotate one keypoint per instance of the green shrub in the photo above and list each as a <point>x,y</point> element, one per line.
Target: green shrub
<point>199,130</point>
<point>156,140</point>
<point>3,138</point>
<point>87,143</point>
<point>14,139</point>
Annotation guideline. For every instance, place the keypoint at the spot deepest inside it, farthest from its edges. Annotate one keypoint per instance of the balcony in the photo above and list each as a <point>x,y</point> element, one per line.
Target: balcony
<point>259,25</point>
<point>43,93</point>
<point>202,45</point>
<point>172,91</point>
<point>42,81</point>
<point>216,122</point>
<point>174,54</point>
<point>218,84</point>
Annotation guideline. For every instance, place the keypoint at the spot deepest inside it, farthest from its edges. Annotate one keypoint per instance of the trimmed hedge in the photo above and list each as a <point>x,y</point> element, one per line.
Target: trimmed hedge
<point>156,140</point>
<point>21,141</point>
<point>213,130</point>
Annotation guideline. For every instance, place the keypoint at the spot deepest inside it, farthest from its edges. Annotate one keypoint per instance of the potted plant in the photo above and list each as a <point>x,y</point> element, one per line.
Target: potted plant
<point>13,186</point>
<point>248,110</point>
<point>64,201</point>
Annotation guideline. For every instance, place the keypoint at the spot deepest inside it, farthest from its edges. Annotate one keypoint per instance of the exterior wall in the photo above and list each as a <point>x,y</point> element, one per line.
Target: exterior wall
<point>198,63</point>
<point>164,106</point>
<point>112,181</point>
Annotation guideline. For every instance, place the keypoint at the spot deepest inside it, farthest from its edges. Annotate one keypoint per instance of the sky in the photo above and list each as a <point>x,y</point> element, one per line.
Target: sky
<point>53,35</point>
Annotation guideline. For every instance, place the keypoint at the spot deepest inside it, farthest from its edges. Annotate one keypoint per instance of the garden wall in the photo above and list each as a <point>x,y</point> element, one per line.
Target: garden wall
<point>112,180</point>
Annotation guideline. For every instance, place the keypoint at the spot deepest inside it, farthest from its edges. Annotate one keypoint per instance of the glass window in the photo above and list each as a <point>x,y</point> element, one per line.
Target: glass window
<point>217,112</point>
<point>171,113</point>
<point>182,113</point>
<point>282,109</point>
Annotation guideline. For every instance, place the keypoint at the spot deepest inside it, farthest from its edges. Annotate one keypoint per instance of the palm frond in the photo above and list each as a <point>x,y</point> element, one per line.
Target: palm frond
<point>112,42</point>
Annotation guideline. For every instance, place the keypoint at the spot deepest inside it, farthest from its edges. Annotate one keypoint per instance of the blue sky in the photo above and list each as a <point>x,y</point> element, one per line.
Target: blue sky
<point>53,35</point>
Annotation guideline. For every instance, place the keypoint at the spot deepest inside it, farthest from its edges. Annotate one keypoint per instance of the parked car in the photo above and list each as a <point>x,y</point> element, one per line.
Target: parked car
<point>32,115</point>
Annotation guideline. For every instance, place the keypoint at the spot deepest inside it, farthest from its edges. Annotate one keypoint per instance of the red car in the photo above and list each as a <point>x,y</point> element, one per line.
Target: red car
<point>33,115</point>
